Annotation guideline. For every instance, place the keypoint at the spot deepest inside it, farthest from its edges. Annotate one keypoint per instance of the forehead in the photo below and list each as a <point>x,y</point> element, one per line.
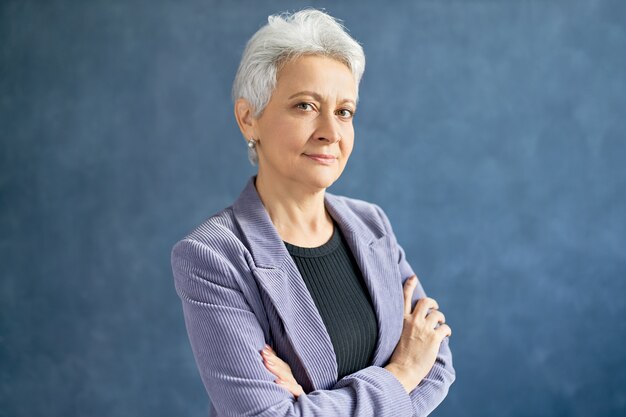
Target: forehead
<point>323,75</point>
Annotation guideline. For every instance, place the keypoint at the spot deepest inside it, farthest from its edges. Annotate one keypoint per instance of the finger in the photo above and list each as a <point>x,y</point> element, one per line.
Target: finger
<point>434,317</point>
<point>423,305</point>
<point>444,330</point>
<point>409,287</point>
<point>282,371</point>
<point>279,372</point>
<point>278,367</point>
<point>293,387</point>
<point>277,361</point>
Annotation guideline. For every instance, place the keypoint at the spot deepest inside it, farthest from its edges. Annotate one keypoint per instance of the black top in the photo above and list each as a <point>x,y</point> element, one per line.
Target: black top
<point>336,285</point>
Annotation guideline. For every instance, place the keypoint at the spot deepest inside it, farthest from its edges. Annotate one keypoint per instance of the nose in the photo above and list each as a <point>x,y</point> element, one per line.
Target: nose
<point>328,128</point>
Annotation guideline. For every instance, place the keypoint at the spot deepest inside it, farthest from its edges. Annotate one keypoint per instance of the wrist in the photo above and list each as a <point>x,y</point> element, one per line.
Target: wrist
<point>399,374</point>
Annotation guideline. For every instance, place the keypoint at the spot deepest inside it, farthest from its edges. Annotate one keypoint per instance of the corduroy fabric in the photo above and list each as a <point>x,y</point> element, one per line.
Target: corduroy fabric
<point>240,289</point>
<point>336,285</point>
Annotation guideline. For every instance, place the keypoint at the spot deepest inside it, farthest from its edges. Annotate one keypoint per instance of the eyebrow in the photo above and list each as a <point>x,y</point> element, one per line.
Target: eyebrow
<point>317,96</point>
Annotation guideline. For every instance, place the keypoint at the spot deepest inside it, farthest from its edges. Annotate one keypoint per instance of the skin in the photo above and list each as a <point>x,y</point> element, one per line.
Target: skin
<point>304,138</point>
<point>309,114</point>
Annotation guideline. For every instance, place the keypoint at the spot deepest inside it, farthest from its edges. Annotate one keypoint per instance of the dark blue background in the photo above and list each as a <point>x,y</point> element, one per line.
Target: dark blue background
<point>493,134</point>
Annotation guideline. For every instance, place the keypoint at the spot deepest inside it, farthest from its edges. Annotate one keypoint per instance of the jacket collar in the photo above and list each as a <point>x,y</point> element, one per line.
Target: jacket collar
<point>267,247</point>
<point>279,277</point>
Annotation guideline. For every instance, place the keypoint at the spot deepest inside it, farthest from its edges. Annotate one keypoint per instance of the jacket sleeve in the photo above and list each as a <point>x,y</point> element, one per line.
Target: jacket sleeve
<point>226,339</point>
<point>434,387</point>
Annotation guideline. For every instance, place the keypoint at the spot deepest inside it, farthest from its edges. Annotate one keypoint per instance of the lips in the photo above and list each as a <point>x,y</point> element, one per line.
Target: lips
<point>321,158</point>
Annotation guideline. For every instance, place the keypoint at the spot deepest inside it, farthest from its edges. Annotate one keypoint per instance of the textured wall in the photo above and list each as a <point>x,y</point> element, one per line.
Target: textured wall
<point>492,132</point>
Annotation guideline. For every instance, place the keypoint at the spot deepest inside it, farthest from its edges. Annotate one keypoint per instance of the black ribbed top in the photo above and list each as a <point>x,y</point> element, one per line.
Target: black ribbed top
<point>336,284</point>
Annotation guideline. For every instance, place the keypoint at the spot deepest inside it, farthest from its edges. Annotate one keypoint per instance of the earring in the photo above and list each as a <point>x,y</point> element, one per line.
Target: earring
<point>253,157</point>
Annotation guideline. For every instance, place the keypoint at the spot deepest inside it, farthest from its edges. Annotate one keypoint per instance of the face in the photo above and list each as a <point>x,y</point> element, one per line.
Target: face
<point>305,134</point>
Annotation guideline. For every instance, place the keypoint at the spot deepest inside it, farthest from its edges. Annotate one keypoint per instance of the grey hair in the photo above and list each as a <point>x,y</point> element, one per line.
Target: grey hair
<point>286,37</point>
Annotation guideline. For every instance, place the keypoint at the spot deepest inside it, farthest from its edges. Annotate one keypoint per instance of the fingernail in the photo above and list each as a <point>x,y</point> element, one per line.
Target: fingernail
<point>269,362</point>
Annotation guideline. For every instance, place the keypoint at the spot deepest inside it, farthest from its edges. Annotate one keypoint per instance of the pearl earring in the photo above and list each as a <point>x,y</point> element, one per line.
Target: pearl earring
<point>253,157</point>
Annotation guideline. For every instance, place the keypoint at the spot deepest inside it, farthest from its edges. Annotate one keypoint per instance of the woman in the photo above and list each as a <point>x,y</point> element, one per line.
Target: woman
<point>299,302</point>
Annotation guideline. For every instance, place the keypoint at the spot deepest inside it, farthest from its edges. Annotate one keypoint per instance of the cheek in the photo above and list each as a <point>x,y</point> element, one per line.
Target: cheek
<point>291,132</point>
<point>347,146</point>
<point>348,134</point>
<point>283,137</point>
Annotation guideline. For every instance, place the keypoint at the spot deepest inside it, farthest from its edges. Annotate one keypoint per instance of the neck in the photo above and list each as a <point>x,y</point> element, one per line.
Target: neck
<point>299,214</point>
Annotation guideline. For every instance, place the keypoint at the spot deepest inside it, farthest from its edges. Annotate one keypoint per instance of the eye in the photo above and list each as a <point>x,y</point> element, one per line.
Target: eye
<point>305,106</point>
<point>345,113</point>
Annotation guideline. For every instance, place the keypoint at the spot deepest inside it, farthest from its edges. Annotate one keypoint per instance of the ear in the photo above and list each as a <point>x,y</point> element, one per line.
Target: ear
<point>244,113</point>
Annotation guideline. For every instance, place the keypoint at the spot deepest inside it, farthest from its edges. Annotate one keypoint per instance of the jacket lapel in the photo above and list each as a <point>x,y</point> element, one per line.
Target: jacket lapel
<point>279,277</point>
<point>375,256</point>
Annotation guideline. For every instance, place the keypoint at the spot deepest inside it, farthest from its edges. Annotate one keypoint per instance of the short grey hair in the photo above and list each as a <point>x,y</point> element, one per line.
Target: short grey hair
<point>286,37</point>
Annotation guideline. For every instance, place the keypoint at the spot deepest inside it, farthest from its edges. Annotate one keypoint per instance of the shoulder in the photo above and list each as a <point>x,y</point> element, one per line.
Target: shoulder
<point>215,243</point>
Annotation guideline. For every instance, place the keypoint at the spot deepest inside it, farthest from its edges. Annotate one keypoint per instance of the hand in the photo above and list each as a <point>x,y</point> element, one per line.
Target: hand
<point>423,330</point>
<point>282,371</point>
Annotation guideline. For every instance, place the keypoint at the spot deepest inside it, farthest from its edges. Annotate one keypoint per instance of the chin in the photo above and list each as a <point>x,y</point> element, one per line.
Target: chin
<point>322,181</point>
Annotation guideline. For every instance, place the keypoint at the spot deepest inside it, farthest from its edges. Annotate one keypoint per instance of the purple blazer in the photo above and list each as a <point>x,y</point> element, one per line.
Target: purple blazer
<point>241,289</point>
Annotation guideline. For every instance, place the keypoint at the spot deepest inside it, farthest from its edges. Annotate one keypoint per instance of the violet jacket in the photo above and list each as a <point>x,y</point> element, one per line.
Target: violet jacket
<point>241,289</point>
